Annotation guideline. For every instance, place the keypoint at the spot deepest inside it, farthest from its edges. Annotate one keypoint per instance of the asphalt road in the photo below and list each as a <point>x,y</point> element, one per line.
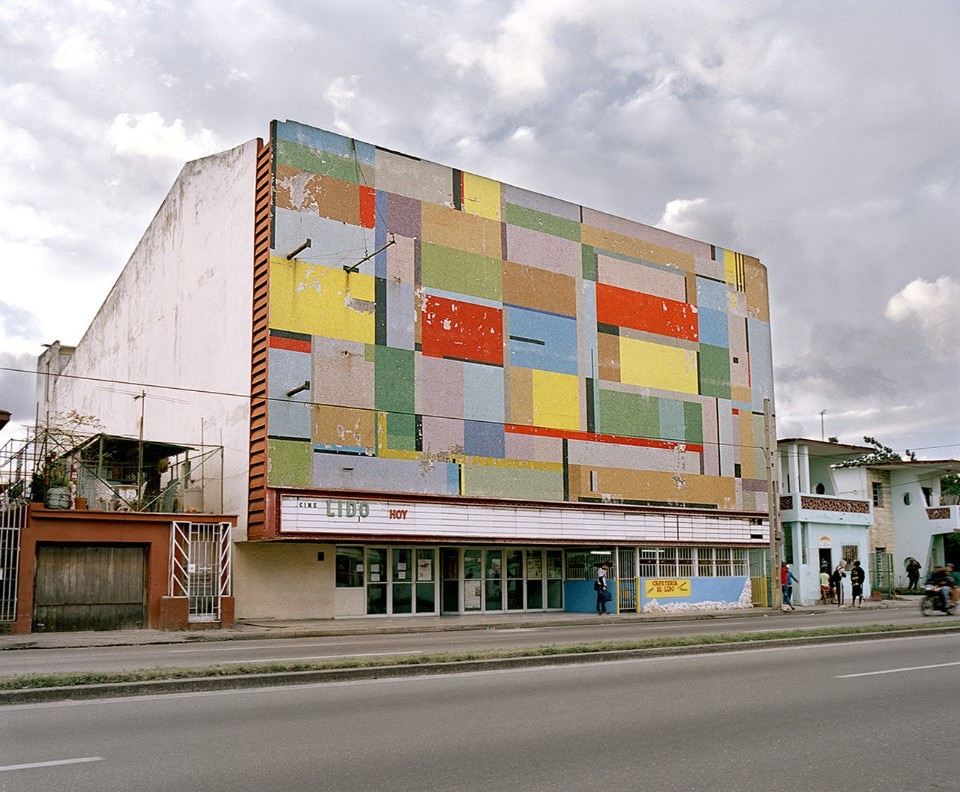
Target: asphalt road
<point>852,715</point>
<point>189,655</point>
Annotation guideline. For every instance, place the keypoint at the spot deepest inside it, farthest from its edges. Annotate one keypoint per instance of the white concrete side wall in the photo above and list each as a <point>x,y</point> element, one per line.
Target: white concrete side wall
<point>177,325</point>
<point>810,538</point>
<point>289,580</point>
<point>912,529</point>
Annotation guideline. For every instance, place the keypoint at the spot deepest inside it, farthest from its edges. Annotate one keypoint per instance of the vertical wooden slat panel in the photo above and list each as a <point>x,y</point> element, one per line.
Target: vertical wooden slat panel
<point>93,587</point>
<point>256,514</point>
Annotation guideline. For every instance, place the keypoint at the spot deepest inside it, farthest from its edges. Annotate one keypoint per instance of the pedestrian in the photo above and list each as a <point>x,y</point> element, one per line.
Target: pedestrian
<point>857,576</point>
<point>913,573</point>
<point>836,580</point>
<point>787,579</point>
<point>601,587</point>
<point>826,592</point>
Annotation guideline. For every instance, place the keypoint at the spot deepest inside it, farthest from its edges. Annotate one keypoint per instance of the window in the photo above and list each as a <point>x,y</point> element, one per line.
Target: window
<point>685,562</point>
<point>850,554</point>
<point>705,562</point>
<point>877,493</point>
<point>349,567</point>
<point>724,568</point>
<point>906,498</point>
<point>583,565</point>
<point>741,565</point>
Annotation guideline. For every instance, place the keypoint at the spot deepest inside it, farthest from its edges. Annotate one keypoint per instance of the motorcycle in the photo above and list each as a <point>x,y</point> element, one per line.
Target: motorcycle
<point>933,601</point>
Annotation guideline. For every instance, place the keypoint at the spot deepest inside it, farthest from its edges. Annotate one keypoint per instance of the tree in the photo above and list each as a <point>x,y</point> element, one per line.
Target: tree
<point>950,484</point>
<point>879,456</point>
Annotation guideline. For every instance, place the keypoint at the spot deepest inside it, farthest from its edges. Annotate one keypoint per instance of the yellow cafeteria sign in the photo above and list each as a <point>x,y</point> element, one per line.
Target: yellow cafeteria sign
<point>667,588</point>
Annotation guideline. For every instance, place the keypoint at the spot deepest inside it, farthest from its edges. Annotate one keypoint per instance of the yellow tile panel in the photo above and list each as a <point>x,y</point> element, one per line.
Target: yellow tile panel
<point>481,196</point>
<point>556,400</point>
<point>322,301</point>
<point>651,365</point>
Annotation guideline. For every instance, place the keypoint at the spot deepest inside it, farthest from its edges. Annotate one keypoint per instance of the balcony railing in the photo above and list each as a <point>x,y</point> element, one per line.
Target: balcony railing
<point>824,503</point>
<point>948,515</point>
<point>111,473</point>
<point>803,507</point>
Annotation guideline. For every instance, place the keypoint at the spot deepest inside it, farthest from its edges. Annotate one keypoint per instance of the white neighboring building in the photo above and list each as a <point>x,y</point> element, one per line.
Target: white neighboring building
<point>879,514</point>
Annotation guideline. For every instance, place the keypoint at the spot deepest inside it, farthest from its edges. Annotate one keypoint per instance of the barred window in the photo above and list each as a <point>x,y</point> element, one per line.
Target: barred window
<point>705,561</point>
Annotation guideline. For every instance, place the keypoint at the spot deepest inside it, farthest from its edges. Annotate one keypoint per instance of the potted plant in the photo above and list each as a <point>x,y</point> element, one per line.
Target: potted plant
<point>56,486</point>
<point>64,431</point>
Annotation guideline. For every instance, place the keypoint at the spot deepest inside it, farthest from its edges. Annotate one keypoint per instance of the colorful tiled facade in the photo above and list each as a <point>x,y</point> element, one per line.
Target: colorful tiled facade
<point>461,337</point>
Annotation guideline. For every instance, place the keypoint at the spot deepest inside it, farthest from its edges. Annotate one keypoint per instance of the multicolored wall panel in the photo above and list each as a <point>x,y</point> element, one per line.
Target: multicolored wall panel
<point>437,332</point>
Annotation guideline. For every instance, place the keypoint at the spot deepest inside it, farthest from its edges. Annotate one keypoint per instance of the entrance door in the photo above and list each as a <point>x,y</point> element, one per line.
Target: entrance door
<point>826,559</point>
<point>450,585</point>
<point>89,587</point>
<point>627,579</point>
<point>514,579</point>
<point>493,580</point>
<point>401,580</point>
<point>472,580</point>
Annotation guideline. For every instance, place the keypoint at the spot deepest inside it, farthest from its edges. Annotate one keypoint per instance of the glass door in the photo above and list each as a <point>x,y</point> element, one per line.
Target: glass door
<point>554,579</point>
<point>376,581</point>
<point>472,580</point>
<point>493,581</point>
<point>402,577</point>
<point>450,586</point>
<point>426,586</point>
<point>401,580</point>
<point>514,580</point>
<point>535,579</point>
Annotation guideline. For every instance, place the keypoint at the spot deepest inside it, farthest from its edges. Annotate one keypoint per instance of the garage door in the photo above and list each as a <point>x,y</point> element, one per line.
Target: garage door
<point>89,587</point>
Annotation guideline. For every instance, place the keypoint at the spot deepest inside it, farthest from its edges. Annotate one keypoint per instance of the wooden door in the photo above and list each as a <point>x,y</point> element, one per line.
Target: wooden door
<point>89,587</point>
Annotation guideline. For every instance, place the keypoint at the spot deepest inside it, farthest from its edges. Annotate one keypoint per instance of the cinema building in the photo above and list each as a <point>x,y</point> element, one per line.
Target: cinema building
<point>438,393</point>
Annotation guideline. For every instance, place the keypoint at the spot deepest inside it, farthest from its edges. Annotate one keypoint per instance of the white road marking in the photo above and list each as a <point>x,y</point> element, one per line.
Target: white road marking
<point>52,763</point>
<point>896,670</point>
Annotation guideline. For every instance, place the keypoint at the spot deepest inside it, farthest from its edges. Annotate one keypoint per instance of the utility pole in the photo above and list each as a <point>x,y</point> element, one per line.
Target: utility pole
<point>773,505</point>
<point>822,436</point>
<point>142,396</point>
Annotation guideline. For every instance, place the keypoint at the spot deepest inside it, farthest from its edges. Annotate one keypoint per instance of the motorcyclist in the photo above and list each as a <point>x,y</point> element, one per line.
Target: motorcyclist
<point>940,577</point>
<point>952,571</point>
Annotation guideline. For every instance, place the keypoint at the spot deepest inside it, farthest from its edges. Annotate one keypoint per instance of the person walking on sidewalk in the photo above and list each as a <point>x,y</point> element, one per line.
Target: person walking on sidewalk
<point>601,587</point>
<point>913,574</point>
<point>787,579</point>
<point>836,580</point>
<point>857,576</point>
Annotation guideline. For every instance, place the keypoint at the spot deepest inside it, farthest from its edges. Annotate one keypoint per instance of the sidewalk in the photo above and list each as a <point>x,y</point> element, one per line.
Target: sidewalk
<point>306,628</point>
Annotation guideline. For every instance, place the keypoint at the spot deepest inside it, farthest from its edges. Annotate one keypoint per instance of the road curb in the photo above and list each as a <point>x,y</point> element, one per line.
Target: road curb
<point>292,678</point>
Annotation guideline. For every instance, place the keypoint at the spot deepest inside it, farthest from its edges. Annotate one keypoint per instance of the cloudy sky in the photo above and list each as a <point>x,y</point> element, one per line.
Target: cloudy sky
<point>821,137</point>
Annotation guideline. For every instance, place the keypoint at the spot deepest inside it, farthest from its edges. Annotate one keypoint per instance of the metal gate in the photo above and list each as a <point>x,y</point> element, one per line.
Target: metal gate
<point>89,587</point>
<point>12,518</point>
<point>883,577</point>
<point>627,580</point>
<point>201,567</point>
<point>759,578</point>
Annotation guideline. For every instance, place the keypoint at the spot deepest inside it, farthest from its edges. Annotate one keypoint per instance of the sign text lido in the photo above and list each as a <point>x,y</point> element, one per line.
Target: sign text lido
<point>348,508</point>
